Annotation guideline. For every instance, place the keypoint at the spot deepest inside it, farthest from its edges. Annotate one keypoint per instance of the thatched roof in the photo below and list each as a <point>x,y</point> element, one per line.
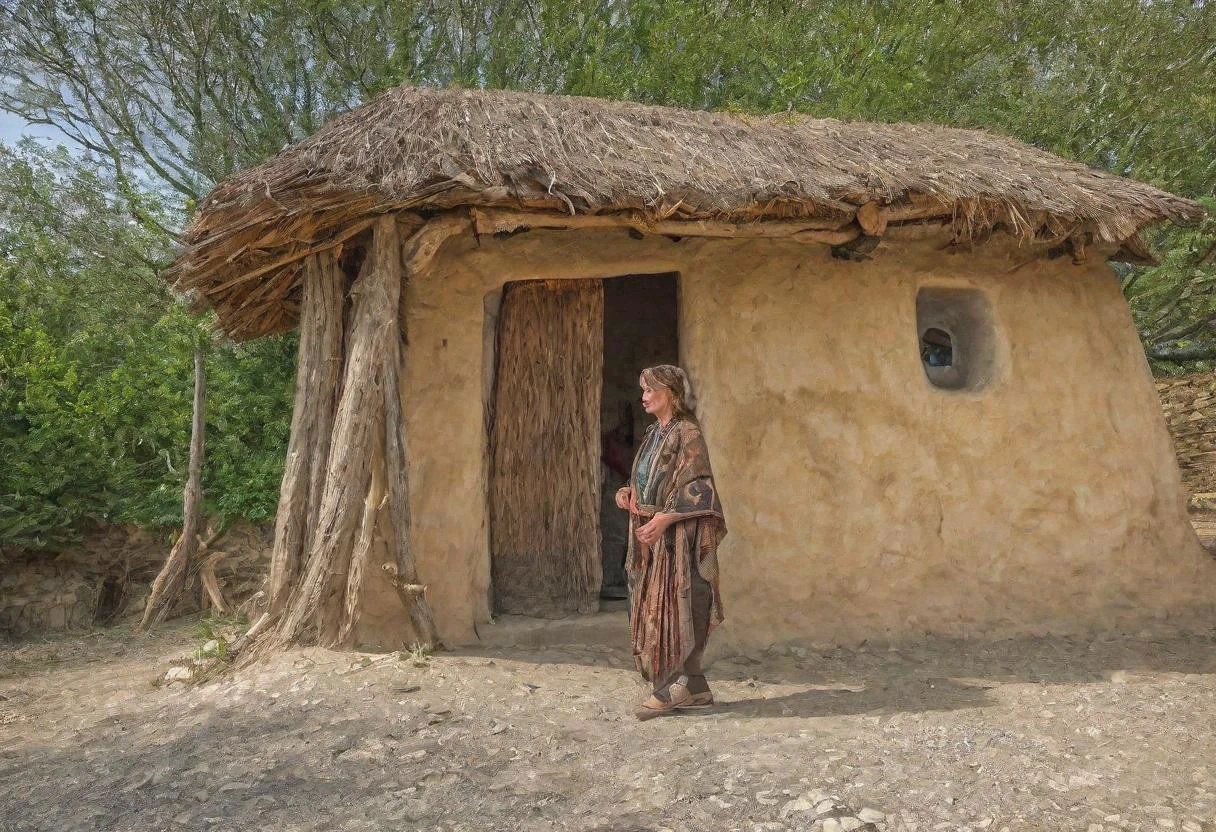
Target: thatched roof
<point>428,150</point>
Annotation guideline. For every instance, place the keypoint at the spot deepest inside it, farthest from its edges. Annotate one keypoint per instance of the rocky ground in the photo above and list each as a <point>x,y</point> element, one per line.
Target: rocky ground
<point>940,735</point>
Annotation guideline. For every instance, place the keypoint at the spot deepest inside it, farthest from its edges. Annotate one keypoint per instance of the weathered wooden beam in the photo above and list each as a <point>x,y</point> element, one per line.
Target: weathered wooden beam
<point>318,371</point>
<point>494,221</point>
<point>404,572</point>
<point>317,599</point>
<point>421,248</point>
<point>872,219</point>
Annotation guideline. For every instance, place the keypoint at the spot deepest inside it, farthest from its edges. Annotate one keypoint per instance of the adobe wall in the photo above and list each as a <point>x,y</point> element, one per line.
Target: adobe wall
<point>862,501</point>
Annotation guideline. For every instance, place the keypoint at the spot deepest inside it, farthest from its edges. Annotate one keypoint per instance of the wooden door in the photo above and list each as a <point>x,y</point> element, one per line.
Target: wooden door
<point>545,448</point>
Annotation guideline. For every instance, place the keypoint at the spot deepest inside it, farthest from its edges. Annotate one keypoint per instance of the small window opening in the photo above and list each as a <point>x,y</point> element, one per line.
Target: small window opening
<point>957,337</point>
<point>936,350</point>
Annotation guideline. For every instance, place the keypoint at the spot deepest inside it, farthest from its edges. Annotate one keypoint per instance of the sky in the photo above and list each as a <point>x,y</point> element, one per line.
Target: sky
<point>12,128</point>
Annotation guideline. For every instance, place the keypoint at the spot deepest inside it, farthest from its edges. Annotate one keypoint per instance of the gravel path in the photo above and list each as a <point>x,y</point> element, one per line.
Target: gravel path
<point>940,735</point>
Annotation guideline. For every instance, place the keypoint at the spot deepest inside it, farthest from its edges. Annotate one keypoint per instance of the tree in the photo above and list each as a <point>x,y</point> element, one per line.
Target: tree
<point>96,361</point>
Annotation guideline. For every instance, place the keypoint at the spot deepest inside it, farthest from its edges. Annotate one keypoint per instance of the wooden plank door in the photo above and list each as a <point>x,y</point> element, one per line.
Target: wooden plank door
<point>545,448</point>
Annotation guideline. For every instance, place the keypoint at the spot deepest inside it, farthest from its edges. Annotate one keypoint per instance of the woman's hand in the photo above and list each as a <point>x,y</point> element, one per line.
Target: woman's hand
<point>650,533</point>
<point>624,498</point>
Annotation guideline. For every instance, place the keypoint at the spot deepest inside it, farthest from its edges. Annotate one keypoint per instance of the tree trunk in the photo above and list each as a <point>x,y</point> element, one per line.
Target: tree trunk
<point>343,573</point>
<point>169,582</point>
<point>1179,355</point>
<point>318,372</point>
<point>331,594</point>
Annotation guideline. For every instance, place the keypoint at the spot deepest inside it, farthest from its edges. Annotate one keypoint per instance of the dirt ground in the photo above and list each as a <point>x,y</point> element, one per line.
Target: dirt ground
<point>1025,734</point>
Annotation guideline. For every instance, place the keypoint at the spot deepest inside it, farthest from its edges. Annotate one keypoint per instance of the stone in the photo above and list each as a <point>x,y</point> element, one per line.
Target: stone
<point>138,783</point>
<point>793,806</point>
<point>848,824</point>
<point>211,648</point>
<point>869,815</point>
<point>178,674</point>
<point>1191,826</point>
<point>832,825</point>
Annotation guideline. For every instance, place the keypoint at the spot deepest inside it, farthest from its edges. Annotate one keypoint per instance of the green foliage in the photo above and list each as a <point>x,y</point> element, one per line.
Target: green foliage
<point>248,424</point>
<point>96,367</point>
<point>1174,303</point>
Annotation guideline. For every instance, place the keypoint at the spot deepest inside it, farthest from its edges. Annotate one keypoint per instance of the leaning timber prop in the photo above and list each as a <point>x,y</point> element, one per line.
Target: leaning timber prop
<point>167,587</point>
<point>342,530</point>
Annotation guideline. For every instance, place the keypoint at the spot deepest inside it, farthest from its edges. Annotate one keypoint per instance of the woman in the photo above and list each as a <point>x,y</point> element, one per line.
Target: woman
<point>675,526</point>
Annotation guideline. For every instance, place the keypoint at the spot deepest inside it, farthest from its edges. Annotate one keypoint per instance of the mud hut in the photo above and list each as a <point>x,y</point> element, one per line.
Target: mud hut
<point>926,401</point>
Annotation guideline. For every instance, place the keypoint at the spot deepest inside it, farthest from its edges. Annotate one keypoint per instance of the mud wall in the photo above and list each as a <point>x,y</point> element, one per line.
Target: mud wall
<point>863,502</point>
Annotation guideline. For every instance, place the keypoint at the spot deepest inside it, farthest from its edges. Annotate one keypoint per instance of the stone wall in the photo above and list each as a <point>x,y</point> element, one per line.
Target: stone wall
<point>39,595</point>
<point>1189,404</point>
<point>106,578</point>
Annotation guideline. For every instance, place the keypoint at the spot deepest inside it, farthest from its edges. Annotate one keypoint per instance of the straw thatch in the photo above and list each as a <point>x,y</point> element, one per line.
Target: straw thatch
<point>427,150</point>
<point>544,484</point>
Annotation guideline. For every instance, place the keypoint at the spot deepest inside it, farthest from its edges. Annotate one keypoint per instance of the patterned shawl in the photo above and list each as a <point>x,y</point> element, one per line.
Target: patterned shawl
<point>682,484</point>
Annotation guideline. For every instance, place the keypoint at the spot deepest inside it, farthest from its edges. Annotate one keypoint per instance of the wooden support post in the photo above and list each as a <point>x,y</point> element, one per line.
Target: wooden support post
<point>364,473</point>
<point>318,371</point>
<point>404,572</point>
<point>344,505</point>
<point>316,602</point>
<point>168,584</point>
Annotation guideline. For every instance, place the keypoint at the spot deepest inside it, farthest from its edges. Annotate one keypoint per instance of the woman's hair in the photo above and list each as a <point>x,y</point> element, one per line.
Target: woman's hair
<point>683,401</point>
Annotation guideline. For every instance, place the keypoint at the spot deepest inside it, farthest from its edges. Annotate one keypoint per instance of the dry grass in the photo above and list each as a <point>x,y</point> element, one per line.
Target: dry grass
<point>426,149</point>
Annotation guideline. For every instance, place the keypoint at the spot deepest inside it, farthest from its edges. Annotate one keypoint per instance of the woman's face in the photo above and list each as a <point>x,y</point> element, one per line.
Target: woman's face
<point>655,400</point>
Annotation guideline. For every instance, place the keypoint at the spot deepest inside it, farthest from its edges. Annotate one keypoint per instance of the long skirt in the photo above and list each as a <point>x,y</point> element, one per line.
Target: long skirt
<point>671,604</point>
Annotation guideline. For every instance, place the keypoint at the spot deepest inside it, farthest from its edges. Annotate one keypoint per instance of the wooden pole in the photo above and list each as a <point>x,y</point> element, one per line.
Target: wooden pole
<point>318,372</point>
<point>405,573</point>
<point>168,584</point>
<point>316,602</point>
<point>354,473</point>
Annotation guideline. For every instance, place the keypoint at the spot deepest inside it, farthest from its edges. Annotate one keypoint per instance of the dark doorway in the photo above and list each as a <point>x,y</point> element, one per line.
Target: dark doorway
<point>640,330</point>
<point>566,422</point>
